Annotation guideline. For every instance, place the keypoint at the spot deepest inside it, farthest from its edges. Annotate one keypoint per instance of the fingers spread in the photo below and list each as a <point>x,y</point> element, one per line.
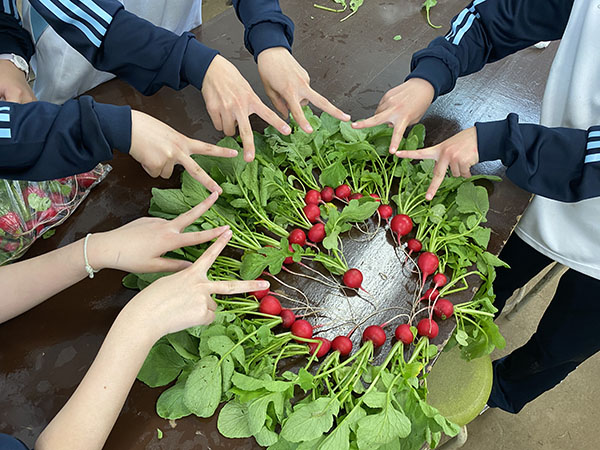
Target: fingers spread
<point>372,121</point>
<point>397,135</point>
<point>298,115</point>
<point>424,153</point>
<point>237,287</point>
<point>189,217</point>
<point>204,148</point>
<point>247,138</point>
<point>172,265</point>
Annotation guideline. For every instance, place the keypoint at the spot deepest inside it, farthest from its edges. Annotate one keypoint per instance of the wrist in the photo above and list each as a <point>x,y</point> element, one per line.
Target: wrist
<point>8,69</point>
<point>272,52</point>
<point>99,251</point>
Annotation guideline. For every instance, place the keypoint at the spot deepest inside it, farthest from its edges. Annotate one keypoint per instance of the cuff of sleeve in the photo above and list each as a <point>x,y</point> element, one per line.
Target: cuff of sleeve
<point>493,139</point>
<point>115,122</point>
<point>10,45</point>
<point>266,35</point>
<point>196,61</point>
<point>436,72</point>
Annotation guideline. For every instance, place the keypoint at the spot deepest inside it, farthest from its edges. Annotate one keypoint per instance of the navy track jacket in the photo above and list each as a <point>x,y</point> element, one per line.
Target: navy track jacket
<point>43,141</point>
<point>558,163</point>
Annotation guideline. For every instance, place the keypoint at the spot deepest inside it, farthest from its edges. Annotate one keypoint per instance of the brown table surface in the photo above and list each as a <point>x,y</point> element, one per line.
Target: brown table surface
<point>46,351</point>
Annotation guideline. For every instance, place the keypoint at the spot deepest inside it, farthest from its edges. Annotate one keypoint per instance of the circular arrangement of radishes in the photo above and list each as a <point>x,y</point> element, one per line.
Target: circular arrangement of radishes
<point>288,211</point>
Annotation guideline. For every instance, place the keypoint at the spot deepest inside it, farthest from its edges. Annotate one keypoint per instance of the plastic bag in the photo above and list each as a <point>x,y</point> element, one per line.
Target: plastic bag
<point>29,209</point>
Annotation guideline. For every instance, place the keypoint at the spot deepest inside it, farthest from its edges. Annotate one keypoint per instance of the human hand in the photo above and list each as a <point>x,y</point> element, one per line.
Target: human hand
<point>138,246</point>
<point>288,86</point>
<point>183,300</point>
<point>230,100</point>
<point>459,152</point>
<point>401,106</point>
<point>13,84</point>
<point>158,148</point>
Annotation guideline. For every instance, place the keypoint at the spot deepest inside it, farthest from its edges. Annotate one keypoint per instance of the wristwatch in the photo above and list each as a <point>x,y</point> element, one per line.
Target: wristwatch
<point>18,61</point>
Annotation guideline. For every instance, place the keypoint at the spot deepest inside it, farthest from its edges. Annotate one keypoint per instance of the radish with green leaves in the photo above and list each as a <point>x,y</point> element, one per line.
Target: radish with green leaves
<point>288,317</point>
<point>313,197</point>
<point>317,233</point>
<point>327,194</point>
<point>428,263</point>
<point>343,191</point>
<point>385,211</point>
<point>443,308</point>
<point>342,344</point>
<point>404,334</point>
<point>323,350</point>
<point>270,305</point>
<point>312,213</point>
<point>375,334</point>
<point>401,224</point>
<point>260,294</point>
<point>356,196</point>
<point>302,328</point>
<point>297,236</point>
<point>431,295</point>
<point>428,327</point>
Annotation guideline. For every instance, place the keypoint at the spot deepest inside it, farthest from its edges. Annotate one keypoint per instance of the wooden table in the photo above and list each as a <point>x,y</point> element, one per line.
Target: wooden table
<point>46,351</point>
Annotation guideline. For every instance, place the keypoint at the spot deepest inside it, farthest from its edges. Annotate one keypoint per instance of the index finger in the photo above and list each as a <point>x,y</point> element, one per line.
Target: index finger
<point>325,105</point>
<point>439,173</point>
<point>199,174</point>
<point>208,258</point>
<point>377,119</point>
<point>271,117</point>
<point>247,138</point>
<point>424,153</point>
<point>237,287</point>
<point>196,147</point>
<point>189,217</point>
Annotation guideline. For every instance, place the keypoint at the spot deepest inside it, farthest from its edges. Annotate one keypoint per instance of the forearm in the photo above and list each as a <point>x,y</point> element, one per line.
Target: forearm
<point>558,163</point>
<point>89,415</point>
<point>485,32</point>
<point>34,280</point>
<point>43,141</point>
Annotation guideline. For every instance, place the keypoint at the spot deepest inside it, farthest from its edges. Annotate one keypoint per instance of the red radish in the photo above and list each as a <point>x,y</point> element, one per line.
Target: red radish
<point>404,334</point>
<point>443,308</point>
<point>414,245</point>
<point>302,328</point>
<point>260,294</point>
<point>10,223</point>
<point>343,191</point>
<point>385,211</point>
<point>325,347</point>
<point>312,213</point>
<point>353,278</point>
<point>289,260</point>
<point>428,263</point>
<point>376,197</point>
<point>375,334</point>
<point>439,279</point>
<point>270,305</point>
<point>85,180</point>
<point>327,194</point>
<point>428,327</point>
<point>356,196</point>
<point>297,236</point>
<point>431,294</point>
<point>288,317</point>
<point>47,215</point>
<point>313,197</point>
<point>401,224</point>
<point>317,232</point>
<point>342,344</point>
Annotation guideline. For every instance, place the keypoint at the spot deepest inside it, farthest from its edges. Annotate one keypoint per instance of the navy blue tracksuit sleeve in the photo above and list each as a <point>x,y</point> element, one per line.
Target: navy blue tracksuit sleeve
<point>487,31</point>
<point>558,163</point>
<point>149,57</point>
<point>43,141</point>
<point>13,37</point>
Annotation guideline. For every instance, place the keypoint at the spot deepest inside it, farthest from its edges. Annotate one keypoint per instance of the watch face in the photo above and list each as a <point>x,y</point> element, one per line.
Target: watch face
<point>20,62</point>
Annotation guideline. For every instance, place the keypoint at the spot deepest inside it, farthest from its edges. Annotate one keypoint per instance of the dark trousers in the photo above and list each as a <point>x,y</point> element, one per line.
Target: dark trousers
<point>566,336</point>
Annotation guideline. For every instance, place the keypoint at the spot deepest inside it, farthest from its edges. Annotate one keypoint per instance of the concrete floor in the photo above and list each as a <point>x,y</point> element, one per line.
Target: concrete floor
<point>558,420</point>
<point>561,419</point>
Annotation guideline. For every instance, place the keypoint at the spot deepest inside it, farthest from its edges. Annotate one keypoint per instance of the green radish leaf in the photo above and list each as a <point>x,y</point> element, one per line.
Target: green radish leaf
<point>130,281</point>
<point>233,421</point>
<point>222,345</point>
<point>162,365</point>
<point>311,420</point>
<point>358,210</point>
<point>170,201</point>
<point>329,124</point>
<point>227,369</point>
<point>266,437</point>
<point>184,344</point>
<point>257,410</point>
<point>352,135</point>
<point>472,199</point>
<point>247,383</point>
<point>202,392</point>
<point>381,428</point>
<point>333,175</point>
<point>494,261</point>
<point>170,404</point>
<point>375,399</point>
<point>481,236</point>
<point>461,337</point>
